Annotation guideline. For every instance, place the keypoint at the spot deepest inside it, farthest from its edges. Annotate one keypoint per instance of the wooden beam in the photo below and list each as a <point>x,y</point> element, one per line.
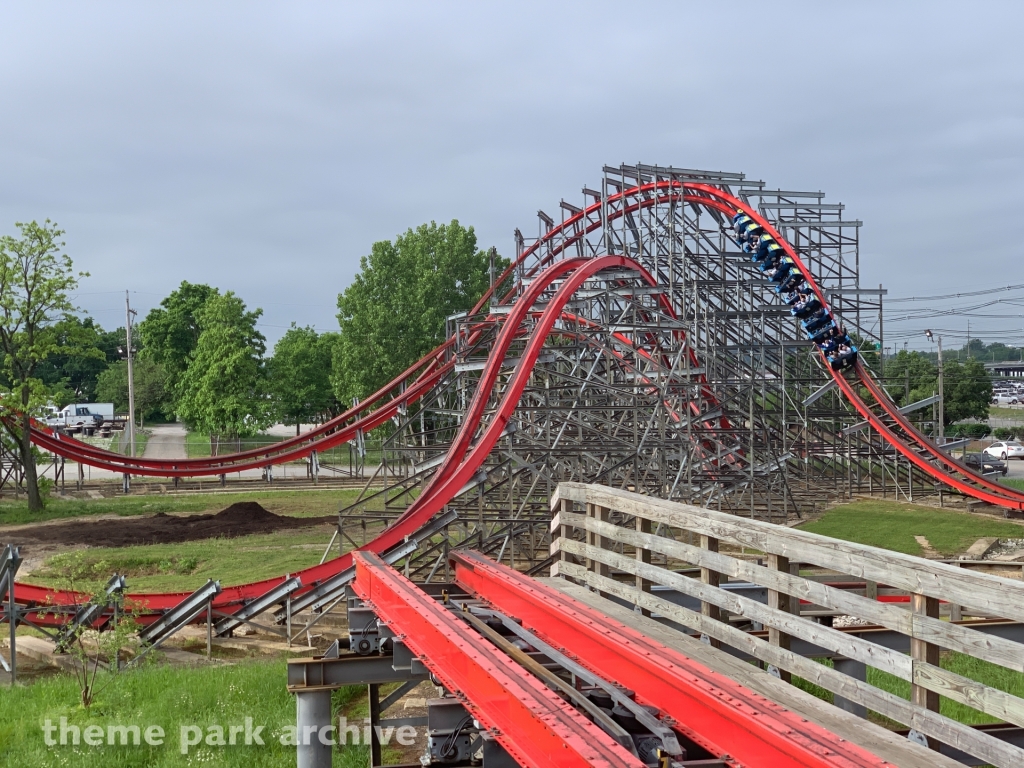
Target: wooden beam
<point>923,651</point>
<point>990,594</point>
<point>779,601</point>
<point>712,579</point>
<point>643,555</point>
<point>997,650</point>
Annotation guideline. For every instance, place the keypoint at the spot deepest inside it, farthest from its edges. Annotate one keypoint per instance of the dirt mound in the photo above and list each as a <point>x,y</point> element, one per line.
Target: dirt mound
<point>240,519</point>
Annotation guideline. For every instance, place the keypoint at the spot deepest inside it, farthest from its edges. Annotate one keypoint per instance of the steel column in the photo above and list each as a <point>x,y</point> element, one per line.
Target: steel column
<point>312,715</point>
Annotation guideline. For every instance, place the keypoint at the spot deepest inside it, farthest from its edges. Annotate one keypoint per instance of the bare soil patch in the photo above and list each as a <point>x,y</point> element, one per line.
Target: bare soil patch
<point>241,519</point>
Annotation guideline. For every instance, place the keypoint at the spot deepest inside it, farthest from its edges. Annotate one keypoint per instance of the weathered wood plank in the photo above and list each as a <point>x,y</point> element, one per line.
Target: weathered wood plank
<point>713,579</point>
<point>850,646</point>
<point>962,737</point>
<point>991,594</point>
<point>643,555</point>
<point>920,651</point>
<point>779,601</point>
<point>989,700</point>
<point>997,650</point>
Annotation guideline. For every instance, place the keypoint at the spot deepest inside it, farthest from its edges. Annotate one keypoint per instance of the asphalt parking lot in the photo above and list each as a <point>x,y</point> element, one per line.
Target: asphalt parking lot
<point>1015,469</point>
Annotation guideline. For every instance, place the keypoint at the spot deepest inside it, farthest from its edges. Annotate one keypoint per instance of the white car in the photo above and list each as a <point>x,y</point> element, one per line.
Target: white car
<point>1006,450</point>
<point>1005,399</point>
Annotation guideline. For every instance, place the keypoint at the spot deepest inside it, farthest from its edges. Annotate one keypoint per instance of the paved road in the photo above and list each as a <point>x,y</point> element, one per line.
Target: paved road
<point>166,441</point>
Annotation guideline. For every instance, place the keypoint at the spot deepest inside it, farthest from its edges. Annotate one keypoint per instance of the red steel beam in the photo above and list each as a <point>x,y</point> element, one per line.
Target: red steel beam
<point>532,723</point>
<point>708,707</point>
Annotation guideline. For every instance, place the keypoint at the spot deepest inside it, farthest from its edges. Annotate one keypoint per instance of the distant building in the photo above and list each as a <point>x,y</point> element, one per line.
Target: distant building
<point>1008,369</point>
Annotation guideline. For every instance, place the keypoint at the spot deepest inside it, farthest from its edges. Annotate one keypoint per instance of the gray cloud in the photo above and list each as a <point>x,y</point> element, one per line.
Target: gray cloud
<point>263,147</point>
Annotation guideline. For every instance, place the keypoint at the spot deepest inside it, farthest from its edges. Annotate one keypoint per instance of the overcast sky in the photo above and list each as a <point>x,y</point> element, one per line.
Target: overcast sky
<point>263,147</point>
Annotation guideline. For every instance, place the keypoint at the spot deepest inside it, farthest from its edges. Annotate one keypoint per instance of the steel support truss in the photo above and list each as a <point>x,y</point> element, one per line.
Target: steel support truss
<point>702,388</point>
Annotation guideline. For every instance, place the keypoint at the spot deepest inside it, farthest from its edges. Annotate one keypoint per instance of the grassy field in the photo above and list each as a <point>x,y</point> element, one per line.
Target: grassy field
<point>197,446</point>
<point>308,503</point>
<point>893,526</point>
<point>187,566</point>
<point>1006,413</point>
<point>169,698</point>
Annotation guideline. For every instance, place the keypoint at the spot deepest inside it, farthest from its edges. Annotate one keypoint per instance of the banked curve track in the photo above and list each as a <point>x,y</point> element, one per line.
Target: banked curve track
<point>557,279</point>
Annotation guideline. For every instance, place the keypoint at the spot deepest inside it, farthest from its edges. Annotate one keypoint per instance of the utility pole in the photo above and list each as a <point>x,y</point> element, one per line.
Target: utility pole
<point>942,415</point>
<point>129,314</point>
<point>941,430</point>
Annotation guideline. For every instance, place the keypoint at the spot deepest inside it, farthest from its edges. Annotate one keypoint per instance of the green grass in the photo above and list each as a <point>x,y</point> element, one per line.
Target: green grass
<point>170,698</point>
<point>1006,413</point>
<point>307,502</point>
<point>890,525</point>
<point>198,446</point>
<point>186,566</point>
<point>119,442</point>
<point>968,666</point>
<point>1017,483</point>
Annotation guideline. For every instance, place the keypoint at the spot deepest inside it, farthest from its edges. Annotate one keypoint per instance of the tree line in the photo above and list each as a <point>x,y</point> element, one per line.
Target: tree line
<point>200,358</point>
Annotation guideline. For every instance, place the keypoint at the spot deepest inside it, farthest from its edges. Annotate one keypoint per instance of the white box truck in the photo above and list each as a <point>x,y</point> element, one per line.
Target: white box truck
<point>83,416</point>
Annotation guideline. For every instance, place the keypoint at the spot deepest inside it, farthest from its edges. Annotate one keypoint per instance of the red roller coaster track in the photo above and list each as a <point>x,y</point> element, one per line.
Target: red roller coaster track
<point>476,439</point>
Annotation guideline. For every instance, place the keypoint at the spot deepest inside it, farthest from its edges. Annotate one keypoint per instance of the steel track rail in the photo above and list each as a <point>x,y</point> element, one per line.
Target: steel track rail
<point>530,721</point>
<point>707,707</point>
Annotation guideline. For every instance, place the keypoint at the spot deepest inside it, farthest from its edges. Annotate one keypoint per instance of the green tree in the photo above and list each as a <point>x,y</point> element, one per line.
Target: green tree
<point>222,391</point>
<point>36,278</point>
<point>170,332</point>
<point>910,376</point>
<point>150,379</point>
<point>85,350</point>
<point>967,390</point>
<point>299,377</point>
<point>394,311</point>
<point>81,579</point>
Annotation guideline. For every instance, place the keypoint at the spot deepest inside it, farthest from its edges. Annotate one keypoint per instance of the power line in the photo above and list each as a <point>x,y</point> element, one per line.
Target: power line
<point>957,295</point>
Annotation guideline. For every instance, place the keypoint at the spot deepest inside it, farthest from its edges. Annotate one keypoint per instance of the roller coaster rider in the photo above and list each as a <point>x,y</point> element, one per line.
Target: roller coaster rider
<point>817,320</point>
<point>767,248</point>
<point>747,230</point>
<point>777,266</point>
<point>785,267</point>
<point>805,306</point>
<point>791,283</point>
<point>800,294</point>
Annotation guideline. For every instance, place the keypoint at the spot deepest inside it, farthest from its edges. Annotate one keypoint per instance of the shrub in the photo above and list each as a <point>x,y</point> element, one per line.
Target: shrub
<point>1004,433</point>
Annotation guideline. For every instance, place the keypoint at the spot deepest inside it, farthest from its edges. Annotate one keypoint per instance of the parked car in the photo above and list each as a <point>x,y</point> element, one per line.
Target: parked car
<point>1009,449</point>
<point>985,464</point>
<point>1005,400</point>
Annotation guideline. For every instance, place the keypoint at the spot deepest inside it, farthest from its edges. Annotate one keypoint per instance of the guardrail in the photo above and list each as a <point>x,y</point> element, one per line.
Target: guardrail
<point>602,536</point>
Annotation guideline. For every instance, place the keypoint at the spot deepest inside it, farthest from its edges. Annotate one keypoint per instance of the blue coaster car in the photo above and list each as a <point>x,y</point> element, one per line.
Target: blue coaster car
<point>825,333</point>
<point>828,346</point>
<point>816,321</point>
<point>791,283</point>
<point>786,267</point>
<point>806,307</point>
<point>843,358</point>
<point>750,231</point>
<point>798,295</point>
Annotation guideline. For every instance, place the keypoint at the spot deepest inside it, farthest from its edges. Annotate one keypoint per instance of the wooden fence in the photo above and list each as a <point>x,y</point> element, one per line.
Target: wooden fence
<point>606,538</point>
